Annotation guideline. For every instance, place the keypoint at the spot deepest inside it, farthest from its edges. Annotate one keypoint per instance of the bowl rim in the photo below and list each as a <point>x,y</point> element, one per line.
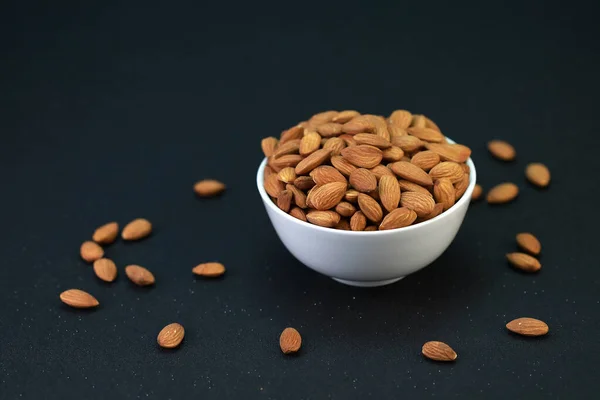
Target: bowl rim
<point>466,197</point>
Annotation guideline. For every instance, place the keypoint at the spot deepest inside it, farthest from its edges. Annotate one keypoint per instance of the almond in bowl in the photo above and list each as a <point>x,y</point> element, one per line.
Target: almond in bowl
<point>369,210</point>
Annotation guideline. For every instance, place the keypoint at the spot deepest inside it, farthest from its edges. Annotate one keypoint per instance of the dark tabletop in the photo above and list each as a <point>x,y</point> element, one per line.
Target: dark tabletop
<point>113,112</point>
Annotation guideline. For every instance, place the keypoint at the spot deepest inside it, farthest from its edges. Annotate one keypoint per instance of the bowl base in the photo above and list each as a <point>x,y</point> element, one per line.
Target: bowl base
<point>368,283</point>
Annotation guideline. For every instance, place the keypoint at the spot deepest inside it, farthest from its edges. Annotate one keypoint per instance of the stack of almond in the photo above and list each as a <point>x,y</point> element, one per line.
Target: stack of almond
<point>349,171</point>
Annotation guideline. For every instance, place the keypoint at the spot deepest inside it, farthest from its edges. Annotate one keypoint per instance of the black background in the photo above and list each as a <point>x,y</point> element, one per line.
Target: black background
<point>112,112</point>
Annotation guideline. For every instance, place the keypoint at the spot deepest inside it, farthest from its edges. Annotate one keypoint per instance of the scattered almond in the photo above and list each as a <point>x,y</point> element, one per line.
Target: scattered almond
<point>91,251</point>
<point>524,262</point>
<point>502,150</point>
<point>105,269</point>
<point>106,234</point>
<point>439,351</point>
<point>171,336</point>
<point>209,188</point>
<point>538,174</point>
<point>529,243</point>
<point>477,192</point>
<point>290,341</point>
<point>528,326</point>
<point>78,299</point>
<point>138,229</point>
<point>139,275</point>
<point>503,193</point>
<point>209,270</point>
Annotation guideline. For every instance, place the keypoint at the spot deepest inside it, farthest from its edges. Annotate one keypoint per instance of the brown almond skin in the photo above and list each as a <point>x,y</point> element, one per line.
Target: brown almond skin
<point>329,129</point>
<point>425,160</point>
<point>139,275</point>
<point>389,192</point>
<point>363,180</point>
<point>273,186</point>
<point>503,193</point>
<point>312,161</point>
<point>138,229</point>
<point>268,145</point>
<point>410,172</point>
<point>528,327</point>
<point>380,170</point>
<point>393,154</point>
<point>209,188</point>
<point>426,134</point>
<point>91,251</point>
<point>351,196</point>
<point>370,207</point>
<point>529,243</point>
<point>289,147</point>
<point>171,336</point>
<point>345,209</point>
<point>345,116</point>
<point>289,160</point>
<point>502,150</point>
<point>290,341</point>
<point>287,175</point>
<point>327,174</point>
<point>419,121</point>
<point>105,269</point>
<point>326,197</point>
<point>295,132</point>
<point>524,262</point>
<point>477,192</point>
<point>343,225</point>
<point>327,219</point>
<point>447,169</point>
<point>358,222</point>
<point>322,118</point>
<point>438,351</point>
<point>408,143</point>
<point>209,270</point>
<point>336,145</point>
<point>372,140</point>
<point>78,299</point>
<point>398,218</point>
<point>298,213</point>
<point>538,174</point>
<point>362,156</point>
<point>407,186</point>
<point>437,210</point>
<point>420,203</point>
<point>310,143</point>
<point>444,193</point>
<point>359,124</point>
<point>298,195</point>
<point>461,187</point>
<point>304,182</point>
<point>106,234</point>
<point>450,152</point>
<point>284,200</point>
<point>400,118</point>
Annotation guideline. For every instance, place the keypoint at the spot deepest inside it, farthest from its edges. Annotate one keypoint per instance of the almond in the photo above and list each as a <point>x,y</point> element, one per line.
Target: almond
<point>289,160</point>
<point>328,219</point>
<point>437,210</point>
<point>444,193</point>
<point>298,213</point>
<point>450,152</point>
<point>330,129</point>
<point>359,124</point>
<point>400,118</point>
<point>363,180</point>
<point>106,234</point>
<point>389,192</point>
<point>380,171</point>
<point>438,351</point>
<point>343,225</point>
<point>345,209</point>
<point>268,145</point>
<point>105,269</point>
<point>418,202</point>
<point>358,222</point>
<point>348,139</point>
<point>78,299</point>
<point>284,200</point>
<point>312,161</point>
<point>465,168</point>
<point>304,182</point>
<point>412,173</point>
<point>524,262</point>
<point>418,121</point>
<point>268,172</point>
<point>461,187</point>
<point>447,169</point>
<point>529,243</point>
<point>407,186</point>
<point>345,116</point>
<point>426,134</point>
<point>327,174</point>
<point>538,174</point>
<point>209,188</point>
<point>139,275</point>
<point>370,207</point>
<point>325,197</point>
<point>290,341</point>
<point>395,131</point>
<point>408,143</point>
<point>352,196</point>
<point>431,125</point>
<point>289,147</point>
<point>380,127</point>
<point>322,118</point>
<point>91,251</point>
<point>363,156</point>
<point>287,175</point>
<point>392,154</point>
<point>502,193</point>
<point>398,218</point>
<point>273,186</point>
<point>171,336</point>
<point>342,165</point>
<point>298,195</point>
<point>371,228</point>
<point>336,145</point>
<point>425,160</point>
<point>528,326</point>
<point>372,140</point>
<point>502,150</point>
<point>477,192</point>
<point>295,132</point>
<point>309,143</point>
<point>209,269</point>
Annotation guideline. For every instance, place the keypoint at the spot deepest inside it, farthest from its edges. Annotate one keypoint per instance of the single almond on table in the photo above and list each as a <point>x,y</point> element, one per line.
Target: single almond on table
<point>524,262</point>
<point>298,213</point>
<point>400,118</point>
<point>389,192</point>
<point>327,219</point>
<point>336,145</point>
<point>342,165</point>
<point>105,269</point>
<point>503,193</point>
<point>425,160</point>
<point>444,193</point>
<point>412,173</point>
<point>502,150</point>
<point>295,132</point>
<point>461,186</point>
<point>538,174</point>
<point>209,188</point>
<point>139,275</point>
<point>477,192</point>
<point>106,234</point>
<point>363,180</point>
<point>78,299</point>
<point>345,209</point>
<point>438,351</point>
<point>362,156</point>
<point>304,182</point>
<point>310,143</point>
<point>358,222</point>
<point>91,251</point>
<point>372,140</point>
<point>326,174</point>
<point>268,145</point>
<point>345,116</point>
<point>312,161</point>
<point>284,200</point>
<point>298,195</point>
<point>290,341</point>
<point>408,143</point>
<point>528,326</point>
<point>138,229</point>
<point>325,197</point>
<point>171,336</point>
<point>529,243</point>
<point>287,175</point>
<point>420,203</point>
<point>398,218</point>
<point>370,207</point>
<point>426,134</point>
<point>209,270</point>
<point>447,169</point>
<point>450,152</point>
<point>273,186</point>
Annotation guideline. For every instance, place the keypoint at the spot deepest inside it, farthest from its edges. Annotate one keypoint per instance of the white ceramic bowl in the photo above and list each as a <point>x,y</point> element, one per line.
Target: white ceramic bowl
<point>367,258</point>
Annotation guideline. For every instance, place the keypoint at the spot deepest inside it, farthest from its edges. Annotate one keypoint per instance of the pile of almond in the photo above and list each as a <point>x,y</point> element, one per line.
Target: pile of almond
<point>362,172</point>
